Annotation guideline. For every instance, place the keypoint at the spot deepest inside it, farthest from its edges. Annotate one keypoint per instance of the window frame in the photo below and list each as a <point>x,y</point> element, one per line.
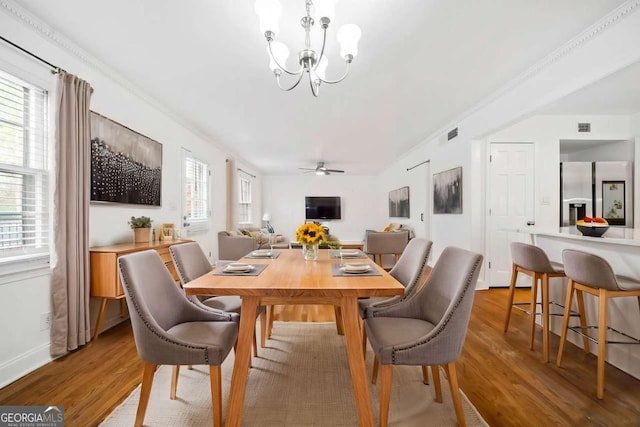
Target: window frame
<point>245,204</point>
<point>199,223</point>
<point>37,118</point>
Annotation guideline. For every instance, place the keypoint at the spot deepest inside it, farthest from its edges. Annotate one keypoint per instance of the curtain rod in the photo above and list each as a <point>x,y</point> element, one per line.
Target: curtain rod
<point>252,176</point>
<point>55,69</point>
<point>415,166</point>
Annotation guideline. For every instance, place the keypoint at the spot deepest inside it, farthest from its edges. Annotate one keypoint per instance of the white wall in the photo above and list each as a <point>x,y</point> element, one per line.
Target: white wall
<point>608,151</point>
<point>362,203</point>
<point>24,346</point>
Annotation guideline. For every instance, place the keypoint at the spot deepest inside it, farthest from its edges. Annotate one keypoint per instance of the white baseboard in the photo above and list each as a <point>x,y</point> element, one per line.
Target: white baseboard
<point>481,285</point>
<point>27,362</point>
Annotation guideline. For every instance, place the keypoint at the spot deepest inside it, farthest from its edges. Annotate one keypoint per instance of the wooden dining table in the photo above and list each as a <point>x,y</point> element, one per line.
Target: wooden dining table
<point>289,279</point>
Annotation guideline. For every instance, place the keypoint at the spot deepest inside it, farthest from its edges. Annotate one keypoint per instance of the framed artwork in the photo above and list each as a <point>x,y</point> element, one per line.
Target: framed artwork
<point>399,203</point>
<point>447,192</point>
<point>613,208</point>
<point>126,166</point>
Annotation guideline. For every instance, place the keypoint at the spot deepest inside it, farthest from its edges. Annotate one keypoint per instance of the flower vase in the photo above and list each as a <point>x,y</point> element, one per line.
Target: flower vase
<point>310,251</point>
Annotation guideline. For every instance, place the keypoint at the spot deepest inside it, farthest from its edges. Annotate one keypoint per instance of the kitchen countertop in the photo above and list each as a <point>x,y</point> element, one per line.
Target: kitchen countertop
<point>614,235</point>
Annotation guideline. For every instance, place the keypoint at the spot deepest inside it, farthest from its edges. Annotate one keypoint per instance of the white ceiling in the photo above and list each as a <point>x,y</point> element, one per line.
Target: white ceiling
<point>421,64</point>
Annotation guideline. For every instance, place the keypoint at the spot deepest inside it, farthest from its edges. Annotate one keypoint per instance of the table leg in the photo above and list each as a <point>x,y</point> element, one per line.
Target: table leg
<point>349,306</point>
<point>103,307</point>
<point>243,359</point>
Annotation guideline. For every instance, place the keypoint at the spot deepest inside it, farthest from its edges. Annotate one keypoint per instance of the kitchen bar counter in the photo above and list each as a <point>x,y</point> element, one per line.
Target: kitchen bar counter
<point>621,248</point>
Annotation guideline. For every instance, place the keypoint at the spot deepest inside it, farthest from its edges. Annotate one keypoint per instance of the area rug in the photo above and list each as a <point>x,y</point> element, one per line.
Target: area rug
<point>301,379</point>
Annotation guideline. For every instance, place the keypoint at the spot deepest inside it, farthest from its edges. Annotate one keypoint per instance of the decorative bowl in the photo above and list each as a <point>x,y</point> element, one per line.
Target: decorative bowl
<point>593,230</point>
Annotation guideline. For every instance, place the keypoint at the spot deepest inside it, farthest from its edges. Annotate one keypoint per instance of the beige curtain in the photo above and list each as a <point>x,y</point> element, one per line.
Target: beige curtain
<point>70,326</point>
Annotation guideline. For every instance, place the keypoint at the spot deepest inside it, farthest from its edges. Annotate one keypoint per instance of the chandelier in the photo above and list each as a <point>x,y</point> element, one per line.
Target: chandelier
<point>311,63</point>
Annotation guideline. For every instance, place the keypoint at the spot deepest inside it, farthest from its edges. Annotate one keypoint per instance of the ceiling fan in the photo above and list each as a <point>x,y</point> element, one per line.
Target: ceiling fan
<point>320,169</point>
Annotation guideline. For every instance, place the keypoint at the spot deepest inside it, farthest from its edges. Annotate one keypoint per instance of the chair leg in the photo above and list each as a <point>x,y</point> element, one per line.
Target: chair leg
<point>545,317</point>
<point>337,311</point>
<point>270,310</point>
<point>425,374</point>
<point>565,321</point>
<point>532,306</point>
<point>437,385</point>
<point>145,391</point>
<point>602,340</point>
<point>263,330</point>
<point>215,378</point>
<point>255,344</point>
<point>583,319</point>
<point>512,290</point>
<point>374,372</point>
<point>455,393</point>
<point>385,393</point>
<point>364,341</point>
<point>174,382</point>
<point>190,367</point>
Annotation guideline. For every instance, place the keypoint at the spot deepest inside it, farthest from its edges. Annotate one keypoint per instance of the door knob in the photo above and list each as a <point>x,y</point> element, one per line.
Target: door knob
<point>531,223</point>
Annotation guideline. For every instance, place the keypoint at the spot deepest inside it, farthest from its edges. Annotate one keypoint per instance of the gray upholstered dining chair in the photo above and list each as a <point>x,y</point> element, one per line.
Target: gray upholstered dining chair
<point>428,328</point>
<point>170,330</point>
<point>191,263</point>
<point>408,271</point>
<point>380,243</point>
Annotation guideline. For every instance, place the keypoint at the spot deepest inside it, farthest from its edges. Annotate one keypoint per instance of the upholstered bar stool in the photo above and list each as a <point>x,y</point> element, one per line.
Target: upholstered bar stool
<point>533,262</point>
<point>592,274</point>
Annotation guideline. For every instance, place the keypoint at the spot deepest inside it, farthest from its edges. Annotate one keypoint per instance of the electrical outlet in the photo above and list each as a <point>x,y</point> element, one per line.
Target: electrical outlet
<point>45,321</point>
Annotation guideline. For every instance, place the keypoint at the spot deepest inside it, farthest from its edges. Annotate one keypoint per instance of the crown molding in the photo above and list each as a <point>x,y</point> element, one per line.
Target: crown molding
<point>590,33</point>
<point>49,33</point>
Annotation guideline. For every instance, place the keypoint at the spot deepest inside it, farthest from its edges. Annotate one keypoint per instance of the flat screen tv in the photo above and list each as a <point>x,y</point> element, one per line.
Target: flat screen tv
<point>322,207</point>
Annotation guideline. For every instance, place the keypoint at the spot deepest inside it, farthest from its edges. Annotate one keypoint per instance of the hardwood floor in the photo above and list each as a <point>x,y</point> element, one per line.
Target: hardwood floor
<point>509,384</point>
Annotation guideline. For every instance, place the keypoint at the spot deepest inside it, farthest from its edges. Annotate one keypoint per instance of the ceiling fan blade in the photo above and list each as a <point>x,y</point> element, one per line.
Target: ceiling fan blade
<point>306,169</point>
<point>334,170</point>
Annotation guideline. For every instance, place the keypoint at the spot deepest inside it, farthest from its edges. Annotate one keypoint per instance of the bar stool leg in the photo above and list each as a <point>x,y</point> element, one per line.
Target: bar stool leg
<point>565,321</point>
<point>602,340</point>
<point>583,320</point>
<point>512,289</point>
<point>532,322</point>
<point>545,317</point>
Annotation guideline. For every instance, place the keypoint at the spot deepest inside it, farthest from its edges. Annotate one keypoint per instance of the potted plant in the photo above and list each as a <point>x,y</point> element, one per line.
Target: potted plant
<point>141,228</point>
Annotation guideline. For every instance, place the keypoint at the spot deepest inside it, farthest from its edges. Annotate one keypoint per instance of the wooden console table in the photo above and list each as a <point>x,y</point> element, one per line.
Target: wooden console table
<point>105,279</point>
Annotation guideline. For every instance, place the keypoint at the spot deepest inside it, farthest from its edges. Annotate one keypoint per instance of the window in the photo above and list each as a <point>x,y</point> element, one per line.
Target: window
<point>24,170</point>
<point>196,194</point>
<point>245,201</point>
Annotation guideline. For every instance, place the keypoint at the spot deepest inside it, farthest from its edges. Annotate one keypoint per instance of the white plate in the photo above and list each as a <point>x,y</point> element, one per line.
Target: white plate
<point>262,253</point>
<point>349,253</point>
<point>356,268</point>
<point>238,267</point>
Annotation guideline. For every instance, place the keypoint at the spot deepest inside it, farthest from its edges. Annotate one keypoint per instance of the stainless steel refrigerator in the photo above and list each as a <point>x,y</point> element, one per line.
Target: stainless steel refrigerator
<point>603,189</point>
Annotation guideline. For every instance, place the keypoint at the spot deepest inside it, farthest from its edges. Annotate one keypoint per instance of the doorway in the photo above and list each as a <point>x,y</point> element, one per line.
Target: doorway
<point>510,205</point>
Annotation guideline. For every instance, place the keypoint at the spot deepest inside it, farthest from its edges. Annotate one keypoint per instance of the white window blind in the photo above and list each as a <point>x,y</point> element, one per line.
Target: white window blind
<point>244,214</point>
<point>196,194</point>
<point>24,173</point>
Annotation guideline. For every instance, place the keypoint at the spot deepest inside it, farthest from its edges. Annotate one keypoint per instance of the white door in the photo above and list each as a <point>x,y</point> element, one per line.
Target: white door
<point>510,195</point>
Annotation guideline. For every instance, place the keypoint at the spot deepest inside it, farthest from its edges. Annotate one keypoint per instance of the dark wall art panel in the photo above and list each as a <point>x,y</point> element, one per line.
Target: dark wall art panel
<point>399,203</point>
<point>126,167</point>
<point>447,192</point>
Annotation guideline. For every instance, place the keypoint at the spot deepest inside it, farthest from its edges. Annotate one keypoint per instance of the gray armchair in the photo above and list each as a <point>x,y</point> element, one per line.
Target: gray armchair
<point>169,330</point>
<point>428,328</point>
<point>233,248</point>
<point>379,243</point>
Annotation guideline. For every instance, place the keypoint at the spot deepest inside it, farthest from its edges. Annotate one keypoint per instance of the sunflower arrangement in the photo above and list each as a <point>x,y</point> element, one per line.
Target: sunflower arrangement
<point>310,234</point>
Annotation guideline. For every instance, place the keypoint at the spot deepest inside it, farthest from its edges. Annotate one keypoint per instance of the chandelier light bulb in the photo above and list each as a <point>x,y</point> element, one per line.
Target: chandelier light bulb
<point>322,67</point>
<point>280,52</point>
<point>325,9</point>
<point>269,12</point>
<point>348,36</point>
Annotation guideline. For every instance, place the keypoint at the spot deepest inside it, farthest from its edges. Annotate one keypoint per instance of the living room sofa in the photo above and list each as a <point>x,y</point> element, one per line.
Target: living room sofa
<point>233,245</point>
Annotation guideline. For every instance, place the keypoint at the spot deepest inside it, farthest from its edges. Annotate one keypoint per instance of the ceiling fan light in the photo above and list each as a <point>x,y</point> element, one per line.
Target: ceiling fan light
<point>269,12</point>
<point>321,172</point>
<point>348,36</point>
<point>280,52</point>
<point>325,9</point>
